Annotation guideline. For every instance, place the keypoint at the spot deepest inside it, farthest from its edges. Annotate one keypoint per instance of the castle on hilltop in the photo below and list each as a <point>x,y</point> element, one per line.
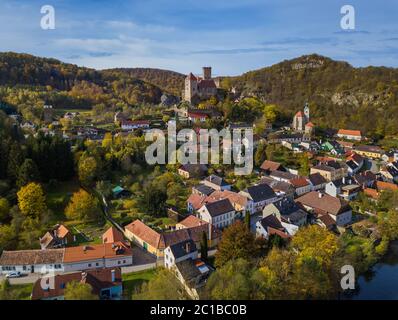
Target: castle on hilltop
<point>201,87</point>
<point>301,121</point>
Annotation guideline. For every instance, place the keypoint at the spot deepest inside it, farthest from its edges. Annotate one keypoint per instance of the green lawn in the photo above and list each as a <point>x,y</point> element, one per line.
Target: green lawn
<point>132,281</point>
<point>59,195</point>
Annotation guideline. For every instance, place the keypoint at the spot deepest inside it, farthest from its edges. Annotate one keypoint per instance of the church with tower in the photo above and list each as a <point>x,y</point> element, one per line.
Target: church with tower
<point>301,121</point>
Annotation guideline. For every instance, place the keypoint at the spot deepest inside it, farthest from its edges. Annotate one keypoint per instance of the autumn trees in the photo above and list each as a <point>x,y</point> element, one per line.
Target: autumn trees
<point>82,206</point>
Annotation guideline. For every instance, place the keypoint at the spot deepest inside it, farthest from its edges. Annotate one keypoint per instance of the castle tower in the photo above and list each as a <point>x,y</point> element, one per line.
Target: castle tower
<point>307,113</point>
<point>206,73</point>
<point>191,87</point>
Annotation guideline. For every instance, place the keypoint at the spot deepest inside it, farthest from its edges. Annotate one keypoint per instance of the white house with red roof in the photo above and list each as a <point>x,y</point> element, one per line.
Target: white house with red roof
<point>350,134</point>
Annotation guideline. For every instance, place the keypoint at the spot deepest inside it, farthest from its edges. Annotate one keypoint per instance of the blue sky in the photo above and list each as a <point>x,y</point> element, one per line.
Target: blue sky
<point>233,36</point>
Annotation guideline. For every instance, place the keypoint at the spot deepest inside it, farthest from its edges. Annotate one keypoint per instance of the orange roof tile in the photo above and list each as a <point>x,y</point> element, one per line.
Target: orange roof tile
<point>96,251</point>
<point>350,132</point>
<point>380,185</point>
<point>112,235</point>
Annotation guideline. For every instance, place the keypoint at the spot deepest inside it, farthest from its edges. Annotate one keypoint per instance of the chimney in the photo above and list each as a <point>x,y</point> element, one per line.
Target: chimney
<point>84,249</point>
<point>206,73</point>
<point>187,247</point>
<point>320,195</point>
<point>113,273</point>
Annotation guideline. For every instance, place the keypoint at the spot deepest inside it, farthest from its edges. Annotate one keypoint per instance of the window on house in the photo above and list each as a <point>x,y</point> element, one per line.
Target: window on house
<point>89,265</point>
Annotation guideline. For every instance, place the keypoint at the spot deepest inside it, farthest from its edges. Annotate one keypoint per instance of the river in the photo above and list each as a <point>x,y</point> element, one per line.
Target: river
<point>381,282</point>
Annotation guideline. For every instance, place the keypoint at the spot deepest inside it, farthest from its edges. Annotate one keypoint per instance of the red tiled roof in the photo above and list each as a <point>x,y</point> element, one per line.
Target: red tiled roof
<point>350,132</point>
<point>270,165</point>
<point>61,231</point>
<point>142,231</point>
<point>299,114</point>
<point>96,251</point>
<point>112,235</point>
<point>192,221</point>
<point>299,182</point>
<point>323,203</point>
<point>372,193</point>
<point>98,279</point>
<point>380,185</point>
<point>310,124</point>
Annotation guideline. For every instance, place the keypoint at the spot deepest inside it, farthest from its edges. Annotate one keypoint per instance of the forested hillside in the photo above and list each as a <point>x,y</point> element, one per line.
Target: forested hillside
<point>339,94</point>
<point>169,81</point>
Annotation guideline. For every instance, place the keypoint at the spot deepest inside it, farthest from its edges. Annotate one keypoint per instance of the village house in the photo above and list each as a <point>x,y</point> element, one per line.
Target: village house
<point>261,195</point>
<point>279,137</point>
<point>332,147</point>
<point>281,189</point>
<point>192,170</point>
<point>282,176</point>
<point>288,212</point>
<point>270,225</point>
<point>58,237</point>
<point>323,204</point>
<point>365,179</point>
<point>317,181</point>
<point>179,252</point>
<point>220,214</point>
<point>112,235</point>
<point>202,190</point>
<point>129,125</point>
<point>197,116</point>
<point>354,163</point>
<point>390,156</point>
<point>269,166</point>
<point>345,188</point>
<point>373,152</point>
<point>193,275</point>
<point>331,170</point>
<point>94,256</point>
<point>350,134</point>
<point>106,283</point>
<point>389,173</point>
<point>240,203</point>
<point>32,261</point>
<point>301,185</point>
<point>155,242</point>
<point>216,183</point>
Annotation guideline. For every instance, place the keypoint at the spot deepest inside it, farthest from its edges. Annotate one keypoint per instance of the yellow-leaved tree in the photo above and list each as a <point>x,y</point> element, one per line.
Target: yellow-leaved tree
<point>31,200</point>
<point>82,206</point>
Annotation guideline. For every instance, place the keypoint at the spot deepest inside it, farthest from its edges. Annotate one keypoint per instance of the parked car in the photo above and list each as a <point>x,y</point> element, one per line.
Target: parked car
<point>14,274</point>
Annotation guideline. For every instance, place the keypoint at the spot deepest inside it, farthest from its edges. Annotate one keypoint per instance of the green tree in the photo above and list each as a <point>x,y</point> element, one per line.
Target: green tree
<point>260,154</point>
<point>82,206</point>
<point>204,247</point>
<point>247,220</point>
<point>232,281</point>
<point>28,172</point>
<point>163,286</point>
<point>75,290</point>
<point>237,242</point>
<point>4,209</point>
<point>31,200</point>
<point>88,169</point>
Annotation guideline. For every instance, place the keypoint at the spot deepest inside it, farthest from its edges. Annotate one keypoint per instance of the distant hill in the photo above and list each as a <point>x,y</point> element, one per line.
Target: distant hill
<point>67,84</point>
<point>339,94</point>
<point>169,81</point>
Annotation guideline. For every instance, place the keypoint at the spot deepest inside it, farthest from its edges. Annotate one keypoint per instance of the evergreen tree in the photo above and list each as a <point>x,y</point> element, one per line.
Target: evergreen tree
<point>28,172</point>
<point>247,220</point>
<point>15,160</point>
<point>204,247</point>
